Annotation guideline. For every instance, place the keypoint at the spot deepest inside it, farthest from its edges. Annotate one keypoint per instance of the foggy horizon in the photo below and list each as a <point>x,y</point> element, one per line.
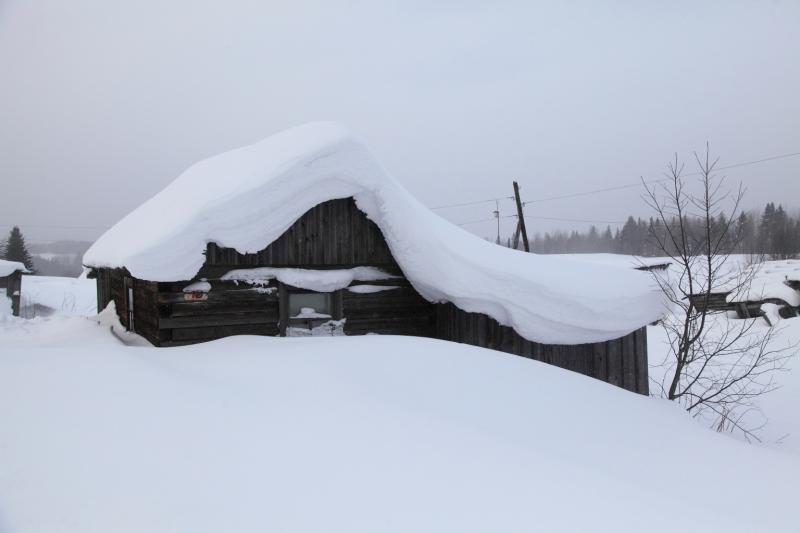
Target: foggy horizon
<point>103,105</point>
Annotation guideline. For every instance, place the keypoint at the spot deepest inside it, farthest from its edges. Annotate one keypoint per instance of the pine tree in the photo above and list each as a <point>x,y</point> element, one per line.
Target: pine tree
<point>782,239</point>
<point>15,249</point>
<point>745,233</point>
<point>766,230</point>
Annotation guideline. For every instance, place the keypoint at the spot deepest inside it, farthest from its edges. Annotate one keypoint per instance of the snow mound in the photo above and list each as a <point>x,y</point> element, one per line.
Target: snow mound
<point>246,198</point>
<point>353,434</point>
<point>9,267</point>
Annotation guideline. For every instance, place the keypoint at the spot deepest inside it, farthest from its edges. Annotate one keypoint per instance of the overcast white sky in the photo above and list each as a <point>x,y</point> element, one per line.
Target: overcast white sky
<point>102,103</point>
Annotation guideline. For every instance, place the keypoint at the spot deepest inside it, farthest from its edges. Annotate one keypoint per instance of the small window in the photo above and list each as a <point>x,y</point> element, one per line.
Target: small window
<point>311,314</point>
<point>310,305</point>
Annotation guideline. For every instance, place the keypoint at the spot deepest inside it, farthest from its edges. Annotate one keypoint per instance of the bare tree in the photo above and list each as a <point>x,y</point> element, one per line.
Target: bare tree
<point>715,367</point>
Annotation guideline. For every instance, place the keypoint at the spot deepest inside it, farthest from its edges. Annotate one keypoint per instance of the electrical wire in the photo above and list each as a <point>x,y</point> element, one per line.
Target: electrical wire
<point>476,202</point>
<point>614,188</point>
<point>639,184</point>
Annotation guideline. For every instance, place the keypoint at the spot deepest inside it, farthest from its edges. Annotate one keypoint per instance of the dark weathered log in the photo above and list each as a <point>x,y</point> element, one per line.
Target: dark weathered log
<point>642,371</point>
<point>210,333</point>
<point>250,295</point>
<point>206,320</point>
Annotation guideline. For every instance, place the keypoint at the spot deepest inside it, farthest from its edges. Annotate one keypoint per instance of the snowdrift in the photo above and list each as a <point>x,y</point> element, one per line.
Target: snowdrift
<point>70,296</point>
<point>246,198</point>
<point>353,434</point>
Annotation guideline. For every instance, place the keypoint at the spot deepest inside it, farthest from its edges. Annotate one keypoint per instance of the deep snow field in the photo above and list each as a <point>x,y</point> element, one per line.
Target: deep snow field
<point>373,433</point>
<point>52,294</point>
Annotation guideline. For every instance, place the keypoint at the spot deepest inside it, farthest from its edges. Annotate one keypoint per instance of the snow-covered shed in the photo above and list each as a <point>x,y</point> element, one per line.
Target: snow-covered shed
<point>11,283</point>
<point>304,233</point>
<point>774,284</point>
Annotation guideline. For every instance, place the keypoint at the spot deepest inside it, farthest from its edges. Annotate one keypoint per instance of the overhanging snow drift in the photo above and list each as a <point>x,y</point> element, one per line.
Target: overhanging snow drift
<point>246,198</point>
<point>9,267</point>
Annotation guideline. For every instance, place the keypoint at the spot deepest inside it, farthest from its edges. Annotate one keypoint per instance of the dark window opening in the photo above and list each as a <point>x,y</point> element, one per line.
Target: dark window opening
<point>306,313</point>
<point>310,305</point>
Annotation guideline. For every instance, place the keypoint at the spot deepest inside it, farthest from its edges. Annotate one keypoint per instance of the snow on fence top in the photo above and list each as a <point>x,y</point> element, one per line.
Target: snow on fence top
<point>9,267</point>
<point>246,198</point>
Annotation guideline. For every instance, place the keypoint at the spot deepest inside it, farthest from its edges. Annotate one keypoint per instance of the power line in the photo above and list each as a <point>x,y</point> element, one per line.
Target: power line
<point>557,219</point>
<point>639,184</point>
<point>476,221</point>
<point>609,189</point>
<point>577,220</point>
<point>476,202</point>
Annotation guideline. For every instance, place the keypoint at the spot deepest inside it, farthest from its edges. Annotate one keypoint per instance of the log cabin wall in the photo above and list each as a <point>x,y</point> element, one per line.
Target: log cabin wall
<point>621,362</point>
<point>334,234</point>
<point>227,309</point>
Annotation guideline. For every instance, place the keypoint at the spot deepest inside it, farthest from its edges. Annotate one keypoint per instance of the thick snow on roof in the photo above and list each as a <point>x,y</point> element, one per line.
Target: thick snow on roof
<point>247,198</point>
<point>9,267</point>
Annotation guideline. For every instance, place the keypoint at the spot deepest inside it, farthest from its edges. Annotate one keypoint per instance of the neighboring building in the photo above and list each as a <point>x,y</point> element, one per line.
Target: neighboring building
<point>305,234</point>
<point>11,282</point>
<point>770,285</point>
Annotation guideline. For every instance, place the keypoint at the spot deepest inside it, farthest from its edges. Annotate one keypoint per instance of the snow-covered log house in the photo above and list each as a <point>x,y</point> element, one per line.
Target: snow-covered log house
<point>11,283</point>
<point>304,233</point>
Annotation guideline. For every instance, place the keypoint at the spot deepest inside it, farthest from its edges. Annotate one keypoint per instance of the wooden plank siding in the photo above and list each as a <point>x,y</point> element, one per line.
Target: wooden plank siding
<point>400,311</point>
<point>621,362</point>
<point>335,234</point>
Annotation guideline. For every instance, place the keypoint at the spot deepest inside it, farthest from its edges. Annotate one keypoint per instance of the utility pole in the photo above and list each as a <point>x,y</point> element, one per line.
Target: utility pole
<point>497,216</point>
<point>521,218</point>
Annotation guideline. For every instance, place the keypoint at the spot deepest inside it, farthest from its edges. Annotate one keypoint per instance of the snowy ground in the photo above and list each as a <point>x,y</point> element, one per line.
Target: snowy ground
<point>352,434</point>
<point>43,295</point>
<point>777,410</point>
